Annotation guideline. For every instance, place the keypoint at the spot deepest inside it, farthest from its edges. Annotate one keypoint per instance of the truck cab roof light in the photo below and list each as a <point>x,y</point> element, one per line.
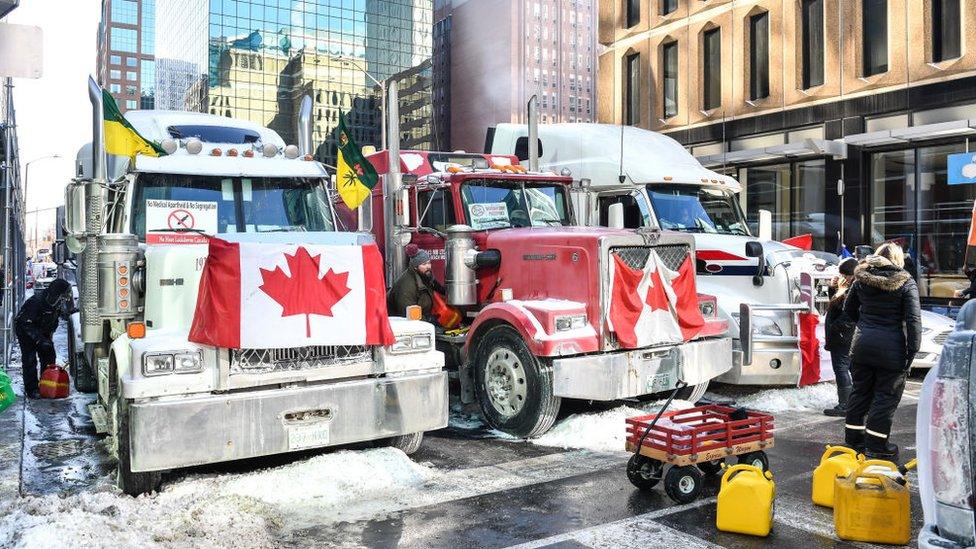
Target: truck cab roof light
<point>215,152</point>
<point>269,150</point>
<point>291,152</point>
<point>248,153</point>
<point>194,146</point>
<point>308,158</point>
<point>169,145</point>
<point>232,152</point>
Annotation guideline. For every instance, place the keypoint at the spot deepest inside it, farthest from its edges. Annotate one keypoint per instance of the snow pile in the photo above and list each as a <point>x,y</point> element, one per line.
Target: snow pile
<point>812,397</point>
<point>248,510</point>
<point>599,431</point>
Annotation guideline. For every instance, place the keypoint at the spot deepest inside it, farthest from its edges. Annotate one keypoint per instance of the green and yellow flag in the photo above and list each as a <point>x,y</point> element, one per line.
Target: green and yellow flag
<point>120,137</point>
<point>355,176</point>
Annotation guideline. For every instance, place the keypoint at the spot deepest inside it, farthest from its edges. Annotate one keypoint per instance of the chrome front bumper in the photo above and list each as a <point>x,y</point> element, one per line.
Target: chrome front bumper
<point>761,371</point>
<point>626,374</point>
<point>181,432</point>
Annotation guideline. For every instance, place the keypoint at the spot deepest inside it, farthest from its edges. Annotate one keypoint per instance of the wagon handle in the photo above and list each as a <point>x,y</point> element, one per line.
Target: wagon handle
<point>677,387</point>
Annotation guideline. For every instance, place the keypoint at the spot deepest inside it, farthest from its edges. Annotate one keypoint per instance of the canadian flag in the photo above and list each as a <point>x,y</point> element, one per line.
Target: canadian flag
<point>653,305</point>
<point>259,295</point>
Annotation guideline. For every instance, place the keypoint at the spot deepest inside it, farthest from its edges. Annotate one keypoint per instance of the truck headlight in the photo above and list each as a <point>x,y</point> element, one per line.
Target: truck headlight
<point>570,322</point>
<point>765,326</point>
<point>187,363</point>
<point>411,343</point>
<point>157,364</point>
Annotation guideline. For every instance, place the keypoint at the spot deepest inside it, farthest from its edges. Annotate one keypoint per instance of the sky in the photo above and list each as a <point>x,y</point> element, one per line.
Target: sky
<point>53,112</point>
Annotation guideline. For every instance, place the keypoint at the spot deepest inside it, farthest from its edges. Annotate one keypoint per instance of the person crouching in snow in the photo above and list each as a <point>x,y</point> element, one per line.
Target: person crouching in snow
<point>415,286</point>
<point>884,303</point>
<point>35,326</point>
<point>839,329</point>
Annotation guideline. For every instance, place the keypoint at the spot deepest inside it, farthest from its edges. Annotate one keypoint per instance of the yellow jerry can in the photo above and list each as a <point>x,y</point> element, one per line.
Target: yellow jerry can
<point>837,461</point>
<point>745,501</point>
<point>871,504</point>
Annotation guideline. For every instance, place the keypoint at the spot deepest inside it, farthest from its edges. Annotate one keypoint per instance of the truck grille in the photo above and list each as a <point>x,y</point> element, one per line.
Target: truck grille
<point>636,256</point>
<point>299,358</point>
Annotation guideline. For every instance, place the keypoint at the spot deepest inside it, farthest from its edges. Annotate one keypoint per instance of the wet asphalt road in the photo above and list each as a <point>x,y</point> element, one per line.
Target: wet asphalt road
<point>549,497</point>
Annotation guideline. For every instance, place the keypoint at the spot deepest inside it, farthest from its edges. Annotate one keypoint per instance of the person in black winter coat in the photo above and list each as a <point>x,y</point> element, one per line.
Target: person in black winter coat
<point>35,326</point>
<point>884,303</point>
<point>970,292</point>
<point>838,331</point>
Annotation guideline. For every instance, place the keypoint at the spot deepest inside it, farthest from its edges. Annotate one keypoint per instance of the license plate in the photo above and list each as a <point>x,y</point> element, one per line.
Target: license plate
<point>308,436</point>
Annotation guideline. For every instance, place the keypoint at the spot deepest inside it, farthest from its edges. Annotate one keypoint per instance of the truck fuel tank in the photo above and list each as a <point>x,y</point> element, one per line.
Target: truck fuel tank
<point>460,279</point>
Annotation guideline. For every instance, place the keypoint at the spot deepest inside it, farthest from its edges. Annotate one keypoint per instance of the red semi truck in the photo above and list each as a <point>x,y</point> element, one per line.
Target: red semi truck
<point>534,289</point>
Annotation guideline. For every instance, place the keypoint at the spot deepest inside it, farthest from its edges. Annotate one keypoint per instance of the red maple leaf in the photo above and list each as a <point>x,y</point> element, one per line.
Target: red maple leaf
<point>657,297</point>
<point>304,293</point>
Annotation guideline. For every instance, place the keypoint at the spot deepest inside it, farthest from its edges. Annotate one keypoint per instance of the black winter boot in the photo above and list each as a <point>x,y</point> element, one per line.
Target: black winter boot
<point>879,448</point>
<point>854,438</point>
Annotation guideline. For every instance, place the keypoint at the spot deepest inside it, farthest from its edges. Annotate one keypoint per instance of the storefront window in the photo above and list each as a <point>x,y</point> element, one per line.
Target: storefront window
<point>893,197</point>
<point>808,201</point>
<point>767,188</point>
<point>944,213</point>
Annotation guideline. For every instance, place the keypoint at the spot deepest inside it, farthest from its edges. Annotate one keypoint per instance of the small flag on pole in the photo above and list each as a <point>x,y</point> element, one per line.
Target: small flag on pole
<point>120,137</point>
<point>355,176</point>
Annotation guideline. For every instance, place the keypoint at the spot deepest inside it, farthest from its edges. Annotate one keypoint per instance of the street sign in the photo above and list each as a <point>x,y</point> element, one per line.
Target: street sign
<point>21,52</point>
<point>961,168</point>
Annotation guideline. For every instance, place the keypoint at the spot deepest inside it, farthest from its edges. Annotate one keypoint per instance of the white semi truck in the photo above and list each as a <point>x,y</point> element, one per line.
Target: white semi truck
<point>651,181</point>
<point>171,403</point>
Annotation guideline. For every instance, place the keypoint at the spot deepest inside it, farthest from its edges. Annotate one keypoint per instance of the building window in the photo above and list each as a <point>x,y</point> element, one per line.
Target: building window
<point>131,61</point>
<point>115,74</point>
<point>712,68</point>
<point>632,97</point>
<point>633,12</point>
<point>813,43</point>
<point>874,28</point>
<point>130,75</point>
<point>668,6</point>
<point>124,40</point>
<point>148,27</point>
<point>125,12</point>
<point>115,88</point>
<point>759,56</point>
<point>131,104</point>
<point>669,58</point>
<point>946,28</point>
<point>115,60</point>
<point>130,90</point>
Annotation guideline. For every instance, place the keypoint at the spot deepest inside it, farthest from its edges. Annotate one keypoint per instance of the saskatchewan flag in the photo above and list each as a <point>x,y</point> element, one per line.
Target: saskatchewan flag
<point>120,137</point>
<point>355,176</point>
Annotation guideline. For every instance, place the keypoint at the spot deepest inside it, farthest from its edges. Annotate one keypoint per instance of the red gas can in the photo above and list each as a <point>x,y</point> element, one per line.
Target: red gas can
<point>54,382</point>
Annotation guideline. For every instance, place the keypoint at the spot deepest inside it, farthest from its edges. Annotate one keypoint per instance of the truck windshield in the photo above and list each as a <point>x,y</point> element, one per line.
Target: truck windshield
<point>693,209</point>
<point>491,204</point>
<point>211,205</point>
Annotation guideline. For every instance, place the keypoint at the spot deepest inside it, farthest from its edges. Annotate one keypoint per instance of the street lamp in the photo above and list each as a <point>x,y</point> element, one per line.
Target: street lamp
<point>382,86</point>
<point>26,175</point>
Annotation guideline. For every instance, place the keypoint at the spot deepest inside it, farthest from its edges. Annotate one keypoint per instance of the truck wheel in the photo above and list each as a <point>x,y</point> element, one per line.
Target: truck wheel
<point>692,393</point>
<point>85,379</point>
<point>644,472</point>
<point>514,388</point>
<point>408,444</point>
<point>131,483</point>
<point>683,484</point>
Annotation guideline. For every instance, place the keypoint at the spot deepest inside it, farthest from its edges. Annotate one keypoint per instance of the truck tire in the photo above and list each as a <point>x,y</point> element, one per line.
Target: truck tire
<point>408,444</point>
<point>692,393</point>
<point>85,379</point>
<point>513,387</point>
<point>131,483</point>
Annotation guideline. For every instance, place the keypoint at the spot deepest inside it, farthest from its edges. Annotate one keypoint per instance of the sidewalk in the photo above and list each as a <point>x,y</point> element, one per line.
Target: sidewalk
<point>11,435</point>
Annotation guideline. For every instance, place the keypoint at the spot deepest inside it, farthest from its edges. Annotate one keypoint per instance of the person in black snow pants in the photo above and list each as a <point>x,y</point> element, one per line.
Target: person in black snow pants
<point>884,303</point>
<point>839,330</point>
<point>35,326</point>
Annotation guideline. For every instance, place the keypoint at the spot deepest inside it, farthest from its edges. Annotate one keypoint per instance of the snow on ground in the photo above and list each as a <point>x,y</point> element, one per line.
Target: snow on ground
<point>599,431</point>
<point>812,397</point>
<point>247,509</point>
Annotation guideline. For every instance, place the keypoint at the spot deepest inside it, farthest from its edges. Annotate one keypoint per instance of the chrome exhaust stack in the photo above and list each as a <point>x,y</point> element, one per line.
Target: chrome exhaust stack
<point>91,322</point>
<point>303,126</point>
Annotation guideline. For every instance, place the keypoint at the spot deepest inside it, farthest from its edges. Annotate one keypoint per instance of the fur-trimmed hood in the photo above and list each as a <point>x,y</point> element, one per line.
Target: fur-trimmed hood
<point>880,273</point>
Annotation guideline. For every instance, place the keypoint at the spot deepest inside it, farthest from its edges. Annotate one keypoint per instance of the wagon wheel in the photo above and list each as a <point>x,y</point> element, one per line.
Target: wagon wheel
<point>644,472</point>
<point>683,484</point>
<point>713,467</point>
<point>756,459</point>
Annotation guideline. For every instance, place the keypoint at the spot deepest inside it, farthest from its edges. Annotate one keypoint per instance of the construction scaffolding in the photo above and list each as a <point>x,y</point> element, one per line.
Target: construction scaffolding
<point>13,269</point>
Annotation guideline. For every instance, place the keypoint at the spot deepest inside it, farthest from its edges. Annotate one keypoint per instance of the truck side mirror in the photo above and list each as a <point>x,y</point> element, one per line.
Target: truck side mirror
<point>765,225</point>
<point>615,216</point>
<point>755,249</point>
<point>60,252</point>
<point>74,217</point>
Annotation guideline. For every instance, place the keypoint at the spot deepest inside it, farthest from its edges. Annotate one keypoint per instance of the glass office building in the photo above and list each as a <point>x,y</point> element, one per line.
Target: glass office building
<point>255,59</point>
<point>126,45</point>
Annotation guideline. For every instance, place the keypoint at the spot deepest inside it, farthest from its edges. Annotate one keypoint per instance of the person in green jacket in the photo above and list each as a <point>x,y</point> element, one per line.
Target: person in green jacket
<point>415,286</point>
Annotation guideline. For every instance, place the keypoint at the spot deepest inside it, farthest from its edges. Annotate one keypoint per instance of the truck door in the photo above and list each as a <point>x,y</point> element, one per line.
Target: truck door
<point>435,210</point>
<point>636,212</point>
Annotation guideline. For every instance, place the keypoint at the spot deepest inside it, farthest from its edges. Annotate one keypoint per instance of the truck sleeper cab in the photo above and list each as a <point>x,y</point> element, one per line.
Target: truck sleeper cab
<point>171,403</point>
<point>534,290</point>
